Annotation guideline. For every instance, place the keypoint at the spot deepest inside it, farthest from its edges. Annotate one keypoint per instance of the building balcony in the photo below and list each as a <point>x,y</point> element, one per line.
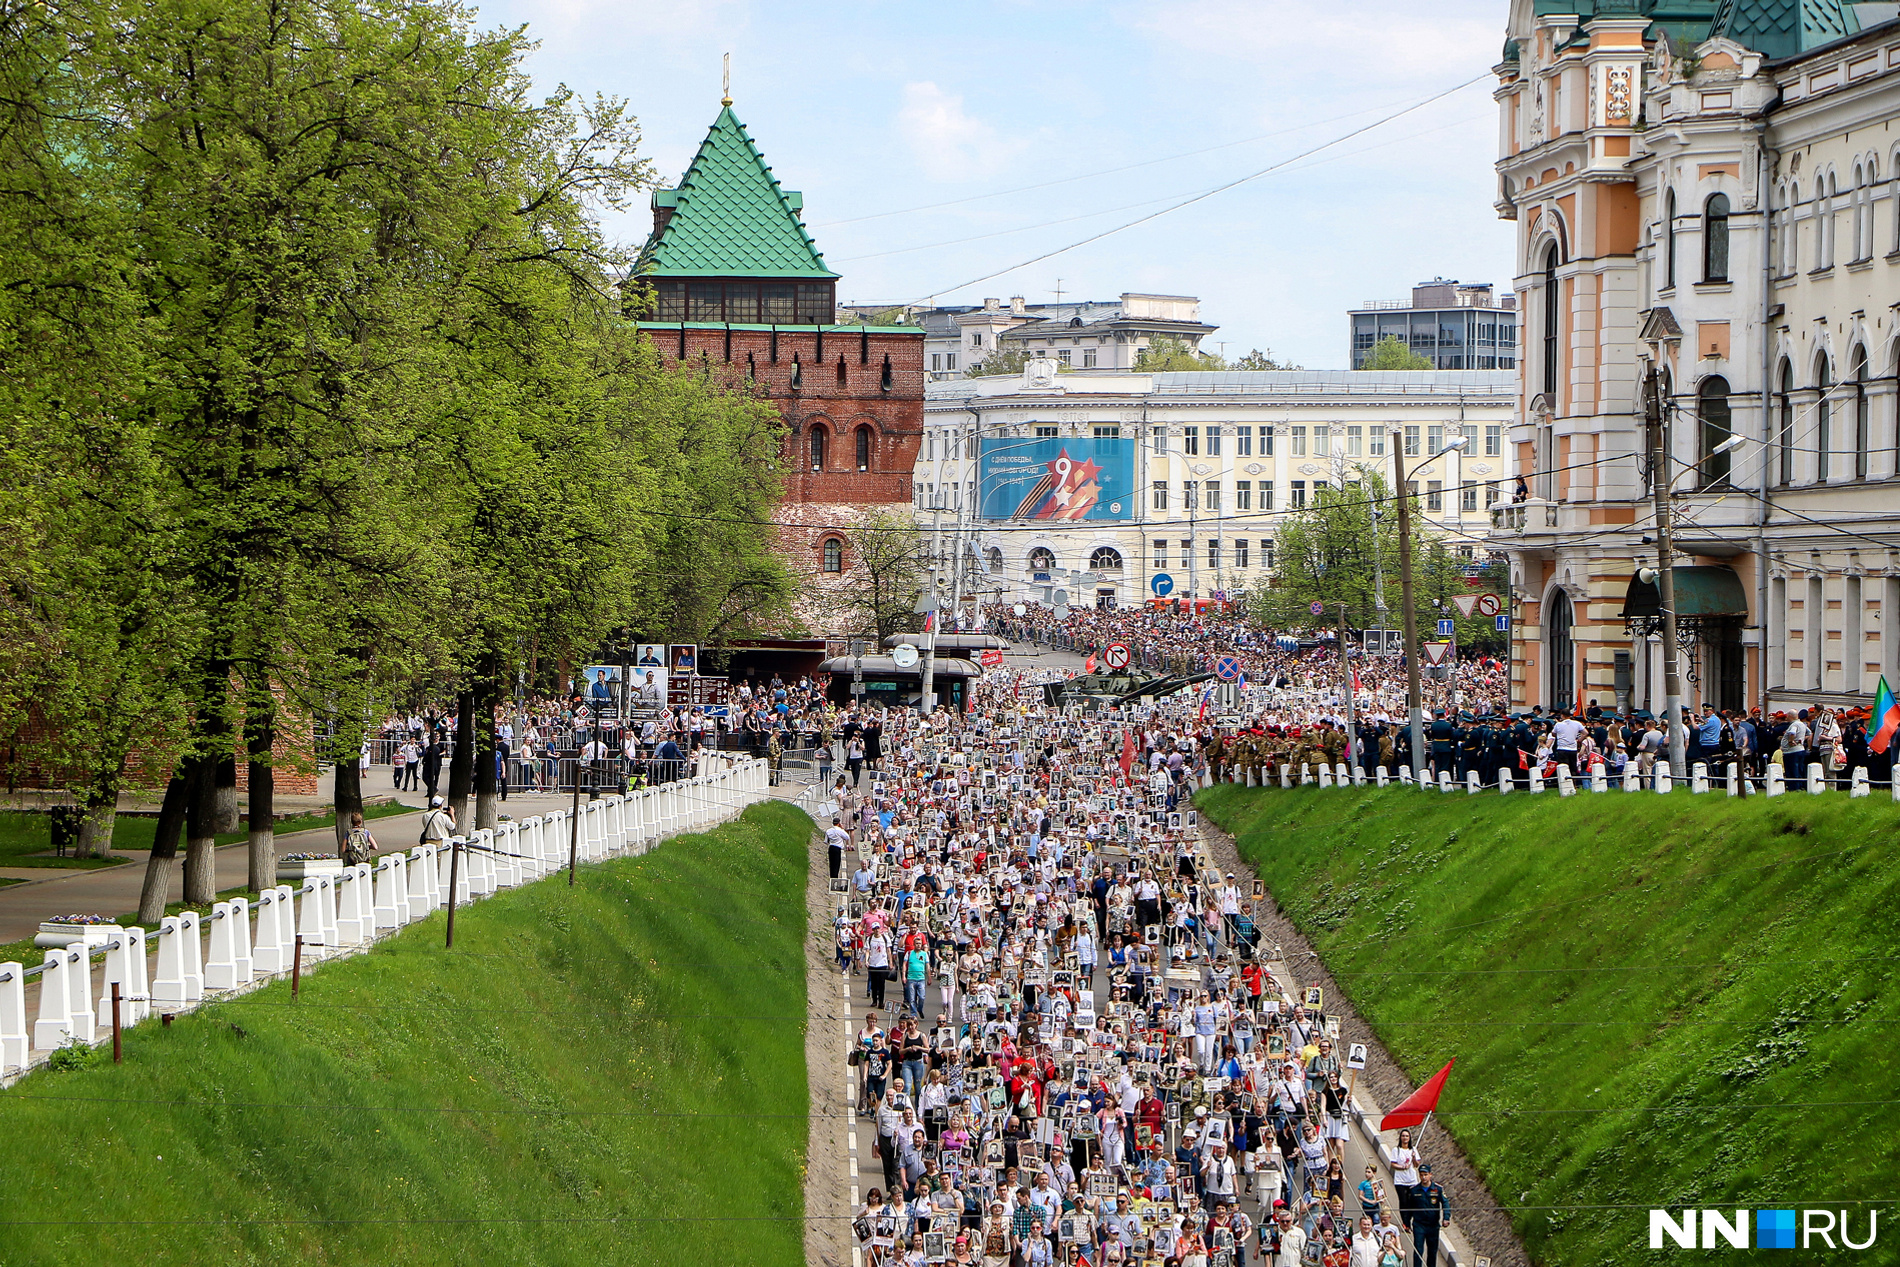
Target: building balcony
<point>1519,518</point>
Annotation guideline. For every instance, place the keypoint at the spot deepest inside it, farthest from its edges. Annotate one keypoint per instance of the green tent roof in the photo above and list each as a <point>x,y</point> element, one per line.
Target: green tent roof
<point>1773,28</point>
<point>730,218</point>
<point>1783,28</point>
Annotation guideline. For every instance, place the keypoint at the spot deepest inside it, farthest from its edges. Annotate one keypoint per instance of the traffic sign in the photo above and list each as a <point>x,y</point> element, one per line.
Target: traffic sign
<point>1162,584</point>
<point>1445,628</point>
<point>1488,605</point>
<point>1227,668</point>
<point>1504,624</point>
<point>1465,603</point>
<point>1317,608</point>
<point>1437,653</point>
<point>904,654</point>
<point>1116,656</point>
<point>582,713</point>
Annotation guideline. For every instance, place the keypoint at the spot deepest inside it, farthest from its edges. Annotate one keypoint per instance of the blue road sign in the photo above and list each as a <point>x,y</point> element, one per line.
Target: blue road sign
<point>1227,668</point>
<point>1162,584</point>
<point>1444,628</point>
<point>1504,623</point>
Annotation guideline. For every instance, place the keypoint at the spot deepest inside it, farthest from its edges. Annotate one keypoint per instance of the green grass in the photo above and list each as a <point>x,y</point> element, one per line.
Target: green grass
<point>22,836</point>
<point>1620,953</point>
<point>589,1013</point>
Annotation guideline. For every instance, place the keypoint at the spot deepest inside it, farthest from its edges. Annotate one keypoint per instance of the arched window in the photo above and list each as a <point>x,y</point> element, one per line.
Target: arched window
<point>1712,410</point>
<point>1893,197</point>
<point>1550,325</point>
<point>1790,233</point>
<point>1823,432</point>
<point>1669,241</point>
<point>1784,425</point>
<point>817,448</point>
<point>1106,558</point>
<point>1715,239</point>
<point>1825,187</point>
<point>1859,235</point>
<point>1041,560</point>
<point>1863,415</point>
<point>864,448</point>
<point>834,555</point>
<point>995,557</point>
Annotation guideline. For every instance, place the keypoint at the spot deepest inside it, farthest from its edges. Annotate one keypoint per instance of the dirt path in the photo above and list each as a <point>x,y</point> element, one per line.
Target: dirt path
<point>1487,1231</point>
<point>827,1146</point>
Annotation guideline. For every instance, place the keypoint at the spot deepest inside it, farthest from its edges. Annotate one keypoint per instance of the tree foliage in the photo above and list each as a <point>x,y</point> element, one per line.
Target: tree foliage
<point>1342,550</point>
<point>316,388</point>
<point>1000,361</point>
<point>1392,353</point>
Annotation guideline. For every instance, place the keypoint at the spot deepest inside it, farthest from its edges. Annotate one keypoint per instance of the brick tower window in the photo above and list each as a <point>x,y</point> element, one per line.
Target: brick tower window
<point>864,448</point>
<point>817,448</point>
<point>834,555</point>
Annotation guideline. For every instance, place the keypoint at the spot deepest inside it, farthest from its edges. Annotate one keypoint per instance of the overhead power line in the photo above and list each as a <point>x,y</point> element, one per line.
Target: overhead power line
<point>1209,193</point>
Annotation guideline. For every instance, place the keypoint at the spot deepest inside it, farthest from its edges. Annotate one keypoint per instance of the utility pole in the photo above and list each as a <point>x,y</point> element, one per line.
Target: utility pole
<point>1660,482</point>
<point>935,617</point>
<point>1406,612</point>
<point>1345,670</point>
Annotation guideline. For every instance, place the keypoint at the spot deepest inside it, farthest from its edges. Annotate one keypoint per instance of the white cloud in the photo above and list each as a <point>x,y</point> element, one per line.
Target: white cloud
<point>948,142</point>
<point>1361,44</point>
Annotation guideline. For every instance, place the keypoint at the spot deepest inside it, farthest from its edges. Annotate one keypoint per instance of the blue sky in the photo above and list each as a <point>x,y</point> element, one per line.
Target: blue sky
<point>875,108</point>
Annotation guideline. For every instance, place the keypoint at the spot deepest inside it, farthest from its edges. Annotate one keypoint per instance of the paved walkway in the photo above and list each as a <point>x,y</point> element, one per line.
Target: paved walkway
<point>114,891</point>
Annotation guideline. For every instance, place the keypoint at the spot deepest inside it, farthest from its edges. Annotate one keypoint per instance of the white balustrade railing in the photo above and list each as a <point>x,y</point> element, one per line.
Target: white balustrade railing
<point>341,912</point>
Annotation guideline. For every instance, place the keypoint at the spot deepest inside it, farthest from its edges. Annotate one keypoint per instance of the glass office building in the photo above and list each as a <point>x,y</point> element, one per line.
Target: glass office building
<point>1457,326</point>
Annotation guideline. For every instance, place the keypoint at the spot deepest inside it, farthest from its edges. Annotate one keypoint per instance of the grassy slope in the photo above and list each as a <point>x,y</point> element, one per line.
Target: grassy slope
<point>1752,979</point>
<point>632,994</point>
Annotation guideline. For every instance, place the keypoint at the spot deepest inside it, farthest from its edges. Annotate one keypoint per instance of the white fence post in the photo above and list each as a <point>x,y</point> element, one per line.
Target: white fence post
<point>221,964</point>
<point>1698,778</point>
<point>241,940</point>
<point>1663,775</point>
<point>194,956</point>
<point>55,1025</point>
<point>77,977</point>
<point>13,1035</point>
<point>1505,779</point>
<point>1816,783</point>
<point>1773,781</point>
<point>1860,786</point>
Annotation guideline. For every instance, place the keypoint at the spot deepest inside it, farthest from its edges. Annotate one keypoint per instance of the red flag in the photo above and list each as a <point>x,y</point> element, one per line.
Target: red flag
<point>1355,681</point>
<point>1088,665</point>
<point>1128,751</point>
<point>1417,1104</point>
<point>1523,759</point>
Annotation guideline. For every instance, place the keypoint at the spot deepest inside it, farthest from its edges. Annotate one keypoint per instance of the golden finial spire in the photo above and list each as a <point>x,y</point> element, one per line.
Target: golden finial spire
<point>725,83</point>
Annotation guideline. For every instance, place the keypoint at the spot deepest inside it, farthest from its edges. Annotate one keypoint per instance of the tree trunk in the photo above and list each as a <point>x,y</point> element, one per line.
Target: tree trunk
<point>462,760</point>
<point>486,694</point>
<point>99,808</point>
<point>201,830</point>
<point>227,796</point>
<point>164,860</point>
<point>348,798</point>
<point>260,731</point>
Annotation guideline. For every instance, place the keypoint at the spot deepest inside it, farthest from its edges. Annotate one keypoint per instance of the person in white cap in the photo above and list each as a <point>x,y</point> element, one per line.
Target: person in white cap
<point>438,825</point>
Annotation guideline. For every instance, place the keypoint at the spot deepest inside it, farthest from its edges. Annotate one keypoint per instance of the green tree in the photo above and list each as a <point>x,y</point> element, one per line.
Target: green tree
<point>1000,361</point>
<point>1170,355</point>
<point>885,571</point>
<point>1258,360</point>
<point>1391,353</point>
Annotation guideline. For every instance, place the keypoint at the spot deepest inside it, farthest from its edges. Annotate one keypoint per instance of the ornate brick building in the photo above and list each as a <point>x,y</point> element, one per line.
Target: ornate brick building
<point>736,279</point>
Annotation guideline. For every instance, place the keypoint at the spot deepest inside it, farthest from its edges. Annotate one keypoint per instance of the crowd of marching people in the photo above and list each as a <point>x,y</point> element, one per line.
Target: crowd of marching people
<point>1075,1046</point>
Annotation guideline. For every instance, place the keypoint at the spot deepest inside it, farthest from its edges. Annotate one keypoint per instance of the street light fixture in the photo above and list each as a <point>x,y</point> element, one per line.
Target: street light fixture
<point>1413,693</point>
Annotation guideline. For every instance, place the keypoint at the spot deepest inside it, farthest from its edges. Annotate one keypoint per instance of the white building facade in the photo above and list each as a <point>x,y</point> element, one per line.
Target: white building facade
<point>1710,204</point>
<point>1215,462</point>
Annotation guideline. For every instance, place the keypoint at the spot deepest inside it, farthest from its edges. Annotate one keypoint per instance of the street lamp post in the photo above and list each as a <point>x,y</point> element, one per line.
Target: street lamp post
<point>1413,692</point>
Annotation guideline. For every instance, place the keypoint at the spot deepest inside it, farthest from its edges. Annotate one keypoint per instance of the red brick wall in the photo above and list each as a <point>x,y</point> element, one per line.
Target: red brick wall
<point>896,415</point>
